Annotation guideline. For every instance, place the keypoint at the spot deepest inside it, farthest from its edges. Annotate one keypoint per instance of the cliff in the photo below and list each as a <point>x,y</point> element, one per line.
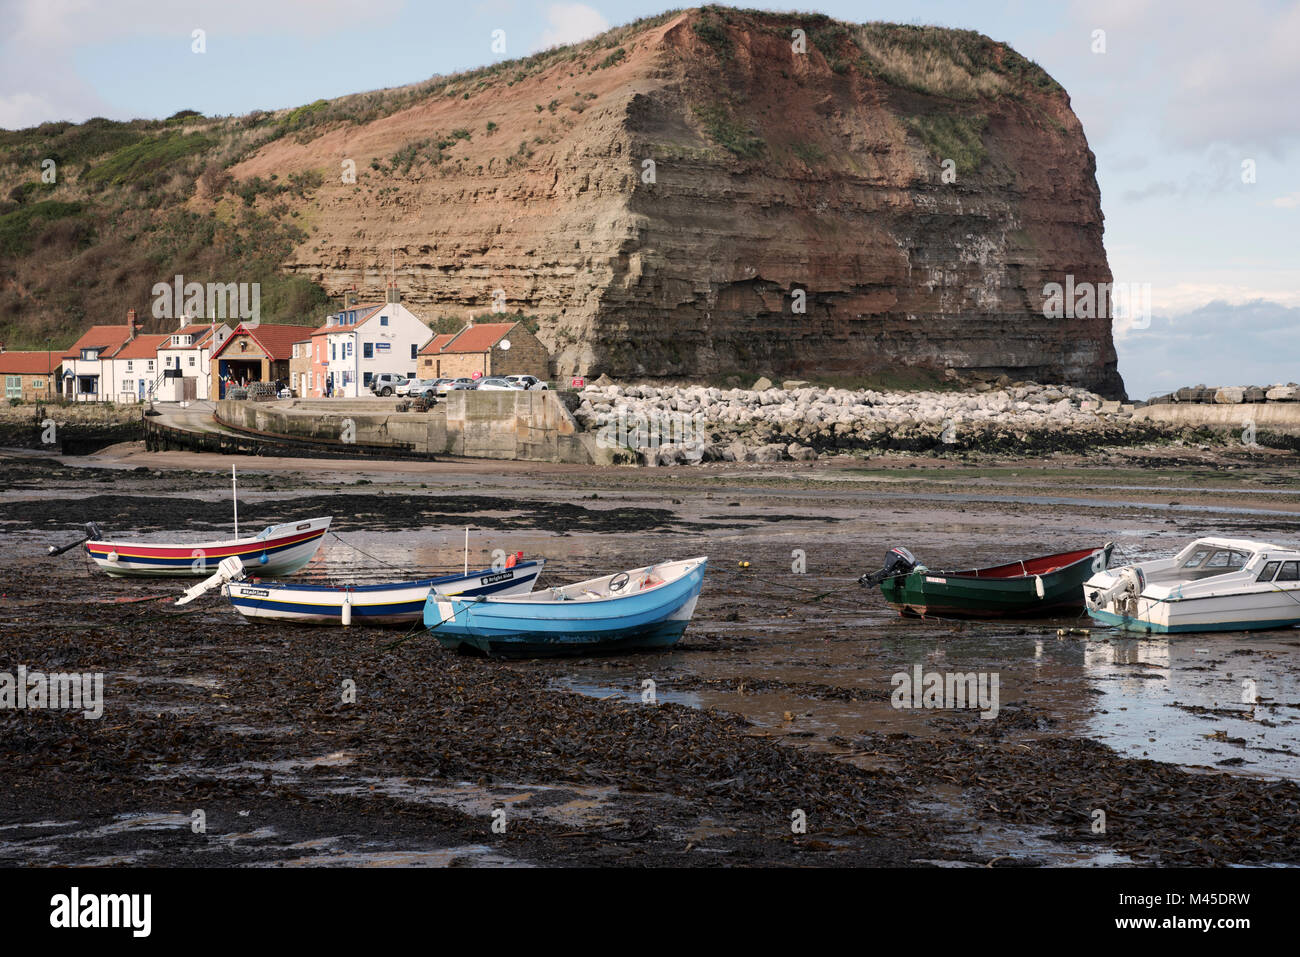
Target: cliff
<point>779,178</point>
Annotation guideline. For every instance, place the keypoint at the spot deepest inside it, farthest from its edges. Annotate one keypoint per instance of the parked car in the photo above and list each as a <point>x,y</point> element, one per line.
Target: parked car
<point>455,385</point>
<point>530,382</point>
<point>386,383</point>
<point>420,389</point>
<point>496,384</point>
<point>415,387</point>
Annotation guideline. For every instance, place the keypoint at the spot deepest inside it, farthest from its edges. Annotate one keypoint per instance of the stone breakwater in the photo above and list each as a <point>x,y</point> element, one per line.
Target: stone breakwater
<point>672,425</point>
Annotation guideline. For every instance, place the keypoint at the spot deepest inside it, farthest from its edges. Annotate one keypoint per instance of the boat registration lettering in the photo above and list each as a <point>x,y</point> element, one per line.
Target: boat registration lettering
<point>254,593</point>
<point>302,526</point>
<point>498,577</point>
<point>936,581</point>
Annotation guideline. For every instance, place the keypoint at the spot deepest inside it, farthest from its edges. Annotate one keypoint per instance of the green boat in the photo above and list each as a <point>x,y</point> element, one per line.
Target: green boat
<point>1028,588</point>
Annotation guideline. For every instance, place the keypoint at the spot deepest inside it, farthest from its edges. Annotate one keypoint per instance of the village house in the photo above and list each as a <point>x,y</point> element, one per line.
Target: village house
<point>486,349</point>
<point>85,369</point>
<point>186,360</point>
<point>300,366</point>
<point>258,353</point>
<point>362,341</point>
<point>132,373</point>
<point>30,376</point>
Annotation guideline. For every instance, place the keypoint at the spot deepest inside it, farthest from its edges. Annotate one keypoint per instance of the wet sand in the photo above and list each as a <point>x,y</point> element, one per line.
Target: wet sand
<point>778,700</point>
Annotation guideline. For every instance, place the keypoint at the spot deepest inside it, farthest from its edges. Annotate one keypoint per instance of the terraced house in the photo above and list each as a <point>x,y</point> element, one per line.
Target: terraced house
<point>87,371</point>
<point>186,360</point>
<point>30,376</point>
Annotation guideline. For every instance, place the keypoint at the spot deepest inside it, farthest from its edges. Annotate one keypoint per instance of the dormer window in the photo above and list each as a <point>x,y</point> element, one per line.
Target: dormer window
<point>89,355</point>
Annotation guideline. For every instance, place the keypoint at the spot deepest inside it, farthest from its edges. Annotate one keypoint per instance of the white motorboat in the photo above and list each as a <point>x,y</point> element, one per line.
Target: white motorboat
<point>1214,584</point>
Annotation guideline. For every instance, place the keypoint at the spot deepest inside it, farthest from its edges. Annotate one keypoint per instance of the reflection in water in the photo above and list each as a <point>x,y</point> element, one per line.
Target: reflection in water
<point>1182,699</point>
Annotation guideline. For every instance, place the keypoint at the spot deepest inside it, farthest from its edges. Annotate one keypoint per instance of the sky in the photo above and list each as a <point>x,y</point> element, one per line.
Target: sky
<point>1192,109</point>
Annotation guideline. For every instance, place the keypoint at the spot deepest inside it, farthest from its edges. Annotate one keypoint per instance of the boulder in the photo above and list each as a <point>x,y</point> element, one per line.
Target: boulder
<point>762,385</point>
<point>1229,395</point>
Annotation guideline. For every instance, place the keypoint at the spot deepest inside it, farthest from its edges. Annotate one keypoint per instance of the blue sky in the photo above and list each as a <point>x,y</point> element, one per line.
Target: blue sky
<point>1183,95</point>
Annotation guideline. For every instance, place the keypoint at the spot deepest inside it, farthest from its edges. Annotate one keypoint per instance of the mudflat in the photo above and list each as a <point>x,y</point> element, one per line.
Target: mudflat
<point>770,736</point>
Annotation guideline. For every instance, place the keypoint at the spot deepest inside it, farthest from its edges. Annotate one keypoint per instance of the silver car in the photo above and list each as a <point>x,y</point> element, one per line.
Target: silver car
<point>494,384</point>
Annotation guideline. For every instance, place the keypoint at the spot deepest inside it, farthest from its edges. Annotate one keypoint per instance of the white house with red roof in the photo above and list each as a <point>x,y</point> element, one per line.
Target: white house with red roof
<point>361,341</point>
<point>86,372</point>
<point>132,372</point>
<point>185,360</point>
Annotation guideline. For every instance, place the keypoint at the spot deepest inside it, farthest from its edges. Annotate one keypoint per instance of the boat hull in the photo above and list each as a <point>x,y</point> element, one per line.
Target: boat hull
<point>280,550</point>
<point>390,604</point>
<point>1125,623</point>
<point>966,595</point>
<point>647,620</point>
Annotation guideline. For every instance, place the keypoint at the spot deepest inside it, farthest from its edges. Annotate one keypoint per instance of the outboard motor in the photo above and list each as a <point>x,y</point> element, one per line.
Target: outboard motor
<point>92,533</point>
<point>898,561</point>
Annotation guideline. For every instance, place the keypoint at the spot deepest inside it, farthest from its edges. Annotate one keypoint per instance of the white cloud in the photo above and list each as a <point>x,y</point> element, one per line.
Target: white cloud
<point>570,23</point>
<point>39,80</point>
<point>1290,201</point>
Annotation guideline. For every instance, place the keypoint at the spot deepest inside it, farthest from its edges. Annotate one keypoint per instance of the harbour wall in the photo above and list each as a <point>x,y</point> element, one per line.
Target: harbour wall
<point>530,426</point>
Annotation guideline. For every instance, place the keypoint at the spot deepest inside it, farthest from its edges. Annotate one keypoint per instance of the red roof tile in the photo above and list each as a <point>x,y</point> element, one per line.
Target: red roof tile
<point>106,338</point>
<point>434,345</point>
<point>28,363</point>
<point>142,347</point>
<point>479,337</point>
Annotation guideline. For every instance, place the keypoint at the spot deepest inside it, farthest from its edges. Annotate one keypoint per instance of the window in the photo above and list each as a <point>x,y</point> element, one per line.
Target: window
<point>1290,572</point>
<point>367,350</point>
<point>38,383</point>
<point>191,361</point>
<point>13,387</point>
<point>150,365</point>
<point>1269,571</point>
<point>414,351</point>
<point>1225,559</point>
<point>333,355</point>
<point>90,355</point>
<point>128,365</point>
<point>367,378</point>
<point>1196,559</point>
<point>383,320</point>
<point>347,349</point>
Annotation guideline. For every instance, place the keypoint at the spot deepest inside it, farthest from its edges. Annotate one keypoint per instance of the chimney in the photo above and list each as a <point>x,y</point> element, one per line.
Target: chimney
<point>130,321</point>
<point>2,347</point>
<point>393,295</point>
<point>185,320</point>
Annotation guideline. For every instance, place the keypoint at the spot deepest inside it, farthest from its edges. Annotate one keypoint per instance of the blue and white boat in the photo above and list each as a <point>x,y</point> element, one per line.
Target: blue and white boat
<point>640,608</point>
<point>391,603</point>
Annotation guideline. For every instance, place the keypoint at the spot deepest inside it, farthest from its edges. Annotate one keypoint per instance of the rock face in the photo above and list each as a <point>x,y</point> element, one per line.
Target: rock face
<point>699,196</point>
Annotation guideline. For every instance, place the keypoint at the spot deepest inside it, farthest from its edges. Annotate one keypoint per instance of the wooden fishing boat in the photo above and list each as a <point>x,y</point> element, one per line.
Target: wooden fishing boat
<point>382,604</point>
<point>1213,584</point>
<point>640,608</point>
<point>1028,588</point>
<point>276,550</point>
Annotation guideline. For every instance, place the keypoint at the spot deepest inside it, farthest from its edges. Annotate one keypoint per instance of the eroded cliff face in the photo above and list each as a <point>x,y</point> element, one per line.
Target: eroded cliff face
<point>780,178</point>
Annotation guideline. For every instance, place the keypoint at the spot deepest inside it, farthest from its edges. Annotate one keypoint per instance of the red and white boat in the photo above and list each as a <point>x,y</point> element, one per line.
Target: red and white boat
<point>277,550</point>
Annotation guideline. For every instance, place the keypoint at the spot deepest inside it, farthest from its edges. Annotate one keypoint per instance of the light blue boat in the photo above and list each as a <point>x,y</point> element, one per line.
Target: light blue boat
<point>641,608</point>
